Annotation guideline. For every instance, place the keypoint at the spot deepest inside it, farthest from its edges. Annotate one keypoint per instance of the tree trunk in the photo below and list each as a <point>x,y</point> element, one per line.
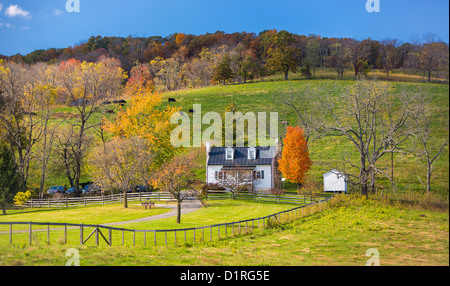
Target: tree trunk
<point>3,208</point>
<point>299,187</point>
<point>363,176</point>
<point>125,199</point>
<point>429,179</point>
<point>179,212</point>
<point>286,75</point>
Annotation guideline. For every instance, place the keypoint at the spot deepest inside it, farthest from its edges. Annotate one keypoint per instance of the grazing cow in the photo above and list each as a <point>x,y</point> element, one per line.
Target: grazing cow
<point>110,111</point>
<point>172,100</point>
<point>191,111</point>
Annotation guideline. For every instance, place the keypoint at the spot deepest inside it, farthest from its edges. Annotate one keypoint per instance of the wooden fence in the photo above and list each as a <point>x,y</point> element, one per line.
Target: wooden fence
<point>260,197</point>
<point>156,237</point>
<point>66,202</point>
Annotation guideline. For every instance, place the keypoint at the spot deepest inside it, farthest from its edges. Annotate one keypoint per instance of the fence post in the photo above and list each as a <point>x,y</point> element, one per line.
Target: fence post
<point>103,199</point>
<point>10,233</point>
<point>31,202</point>
<point>81,234</point>
<point>48,233</point>
<point>110,237</point>
<point>175,238</point>
<point>31,233</point>
<point>84,200</point>
<point>65,234</point>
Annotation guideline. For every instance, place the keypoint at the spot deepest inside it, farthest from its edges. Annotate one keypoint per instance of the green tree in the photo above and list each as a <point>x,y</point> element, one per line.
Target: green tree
<point>10,180</point>
<point>281,53</point>
<point>223,71</point>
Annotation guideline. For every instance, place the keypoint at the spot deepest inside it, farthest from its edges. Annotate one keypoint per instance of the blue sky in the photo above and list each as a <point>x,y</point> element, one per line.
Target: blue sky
<point>31,24</point>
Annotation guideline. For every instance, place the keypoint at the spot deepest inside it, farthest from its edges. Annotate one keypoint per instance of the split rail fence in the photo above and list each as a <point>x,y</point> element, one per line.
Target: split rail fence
<point>67,202</point>
<point>112,235</point>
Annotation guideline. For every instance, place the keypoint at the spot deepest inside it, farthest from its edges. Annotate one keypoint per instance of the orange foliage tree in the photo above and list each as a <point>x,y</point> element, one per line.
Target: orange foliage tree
<point>295,161</point>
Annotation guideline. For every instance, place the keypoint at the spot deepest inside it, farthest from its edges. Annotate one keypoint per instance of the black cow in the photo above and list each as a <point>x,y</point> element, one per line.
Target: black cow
<point>172,100</point>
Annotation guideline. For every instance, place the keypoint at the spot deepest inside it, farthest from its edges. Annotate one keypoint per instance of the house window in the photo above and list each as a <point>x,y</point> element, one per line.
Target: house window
<point>229,155</point>
<point>220,176</point>
<point>259,175</point>
<point>251,154</point>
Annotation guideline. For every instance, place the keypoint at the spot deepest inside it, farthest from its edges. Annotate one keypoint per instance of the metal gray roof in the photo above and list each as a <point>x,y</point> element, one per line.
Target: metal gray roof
<point>264,156</point>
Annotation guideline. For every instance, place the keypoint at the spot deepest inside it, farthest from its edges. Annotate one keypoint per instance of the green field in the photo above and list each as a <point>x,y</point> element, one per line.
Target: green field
<point>339,235</point>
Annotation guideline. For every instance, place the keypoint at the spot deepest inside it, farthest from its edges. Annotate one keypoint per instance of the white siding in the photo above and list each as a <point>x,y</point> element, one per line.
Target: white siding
<point>263,184</point>
<point>334,181</point>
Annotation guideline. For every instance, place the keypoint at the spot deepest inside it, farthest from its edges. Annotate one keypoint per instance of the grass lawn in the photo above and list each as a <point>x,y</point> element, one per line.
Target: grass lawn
<point>340,235</point>
<point>77,215</point>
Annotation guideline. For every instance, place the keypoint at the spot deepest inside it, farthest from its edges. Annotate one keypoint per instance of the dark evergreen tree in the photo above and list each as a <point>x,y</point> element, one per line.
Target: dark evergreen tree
<point>10,181</point>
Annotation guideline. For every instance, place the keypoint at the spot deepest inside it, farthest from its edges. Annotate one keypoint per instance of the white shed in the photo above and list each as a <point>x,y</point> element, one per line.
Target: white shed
<point>335,181</point>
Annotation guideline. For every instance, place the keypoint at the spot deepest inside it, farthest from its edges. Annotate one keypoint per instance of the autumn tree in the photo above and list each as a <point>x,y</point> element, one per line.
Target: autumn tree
<point>431,57</point>
<point>176,176</point>
<point>121,164</point>
<point>339,58</point>
<point>281,54</point>
<point>295,162</point>
<point>146,118</point>
<point>87,86</point>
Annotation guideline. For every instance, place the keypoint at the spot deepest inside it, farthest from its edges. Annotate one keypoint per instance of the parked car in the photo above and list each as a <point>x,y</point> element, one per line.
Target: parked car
<point>55,190</point>
<point>91,189</point>
<point>142,189</point>
<point>71,191</point>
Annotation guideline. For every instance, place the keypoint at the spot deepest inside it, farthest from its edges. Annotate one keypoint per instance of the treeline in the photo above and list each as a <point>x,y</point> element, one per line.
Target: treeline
<point>185,61</point>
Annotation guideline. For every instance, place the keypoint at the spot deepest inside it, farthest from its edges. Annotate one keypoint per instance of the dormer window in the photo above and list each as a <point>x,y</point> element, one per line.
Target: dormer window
<point>229,154</point>
<point>252,153</point>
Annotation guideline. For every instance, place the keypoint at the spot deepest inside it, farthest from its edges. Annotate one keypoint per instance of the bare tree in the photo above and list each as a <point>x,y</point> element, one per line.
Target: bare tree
<point>425,143</point>
<point>305,105</point>
<point>364,114</point>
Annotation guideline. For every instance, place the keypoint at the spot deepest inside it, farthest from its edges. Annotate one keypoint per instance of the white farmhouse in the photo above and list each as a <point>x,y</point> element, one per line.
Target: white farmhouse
<point>256,164</point>
<point>335,181</point>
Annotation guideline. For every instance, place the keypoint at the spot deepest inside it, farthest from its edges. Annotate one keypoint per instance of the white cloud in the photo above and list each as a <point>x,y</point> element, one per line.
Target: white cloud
<point>15,10</point>
<point>1,7</point>
<point>6,25</point>
<point>57,12</point>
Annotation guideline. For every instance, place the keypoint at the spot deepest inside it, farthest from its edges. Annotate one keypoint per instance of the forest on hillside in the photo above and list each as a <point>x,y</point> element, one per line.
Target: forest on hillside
<point>189,61</point>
